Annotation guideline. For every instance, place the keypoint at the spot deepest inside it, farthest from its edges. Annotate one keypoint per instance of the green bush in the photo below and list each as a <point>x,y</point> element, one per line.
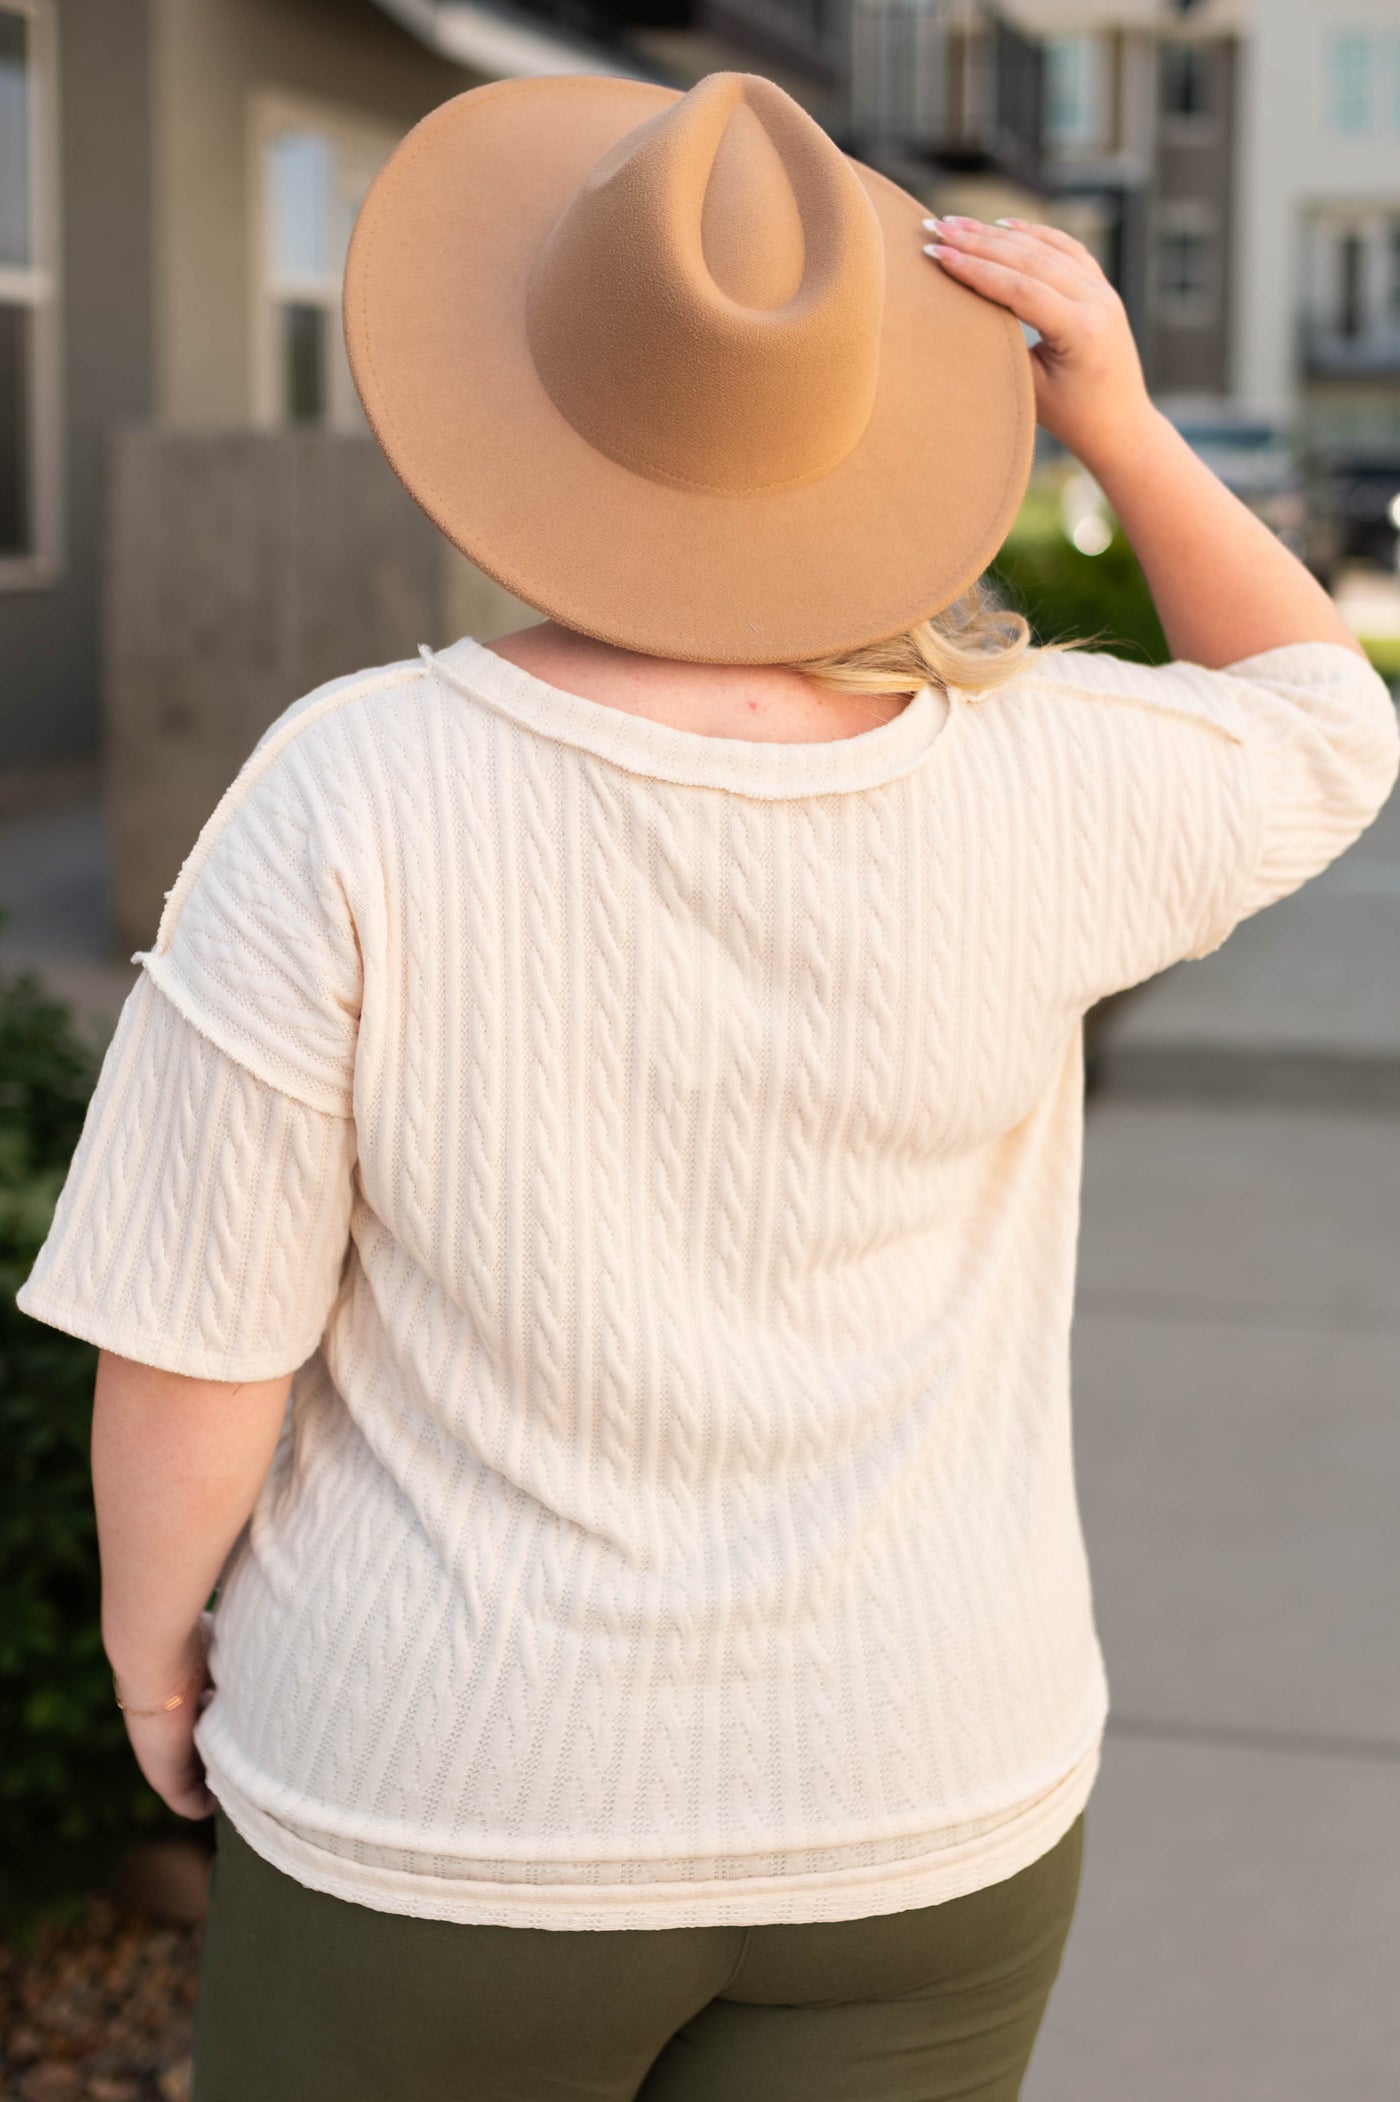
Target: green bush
<point>1070,597</point>
<point>1384,653</point>
<point>70,1792</point>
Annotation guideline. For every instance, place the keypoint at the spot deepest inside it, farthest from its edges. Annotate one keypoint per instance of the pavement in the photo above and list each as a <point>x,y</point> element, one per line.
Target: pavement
<point>1238,1436</point>
<point>1238,1446</point>
<point>1301,1004</point>
<point>1236,1367</point>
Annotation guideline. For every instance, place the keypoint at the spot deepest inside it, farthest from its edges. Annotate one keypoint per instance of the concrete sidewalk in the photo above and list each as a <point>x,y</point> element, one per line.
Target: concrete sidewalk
<point>1237,1405</point>
<point>1238,1443</point>
<point>1301,1004</point>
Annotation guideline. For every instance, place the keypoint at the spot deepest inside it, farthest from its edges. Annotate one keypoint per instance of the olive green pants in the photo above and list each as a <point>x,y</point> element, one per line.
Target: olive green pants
<point>305,1998</point>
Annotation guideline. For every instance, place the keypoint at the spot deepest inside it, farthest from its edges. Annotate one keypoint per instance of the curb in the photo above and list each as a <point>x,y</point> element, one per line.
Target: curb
<point>1210,1073</point>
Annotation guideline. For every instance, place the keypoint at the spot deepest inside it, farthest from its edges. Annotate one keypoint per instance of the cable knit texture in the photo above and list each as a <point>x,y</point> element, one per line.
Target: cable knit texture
<point>660,1156</point>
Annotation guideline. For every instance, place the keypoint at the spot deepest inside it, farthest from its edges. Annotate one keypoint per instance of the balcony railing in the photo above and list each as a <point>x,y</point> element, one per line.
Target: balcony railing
<point>810,35</point>
<point>945,80</point>
<point>1329,354</point>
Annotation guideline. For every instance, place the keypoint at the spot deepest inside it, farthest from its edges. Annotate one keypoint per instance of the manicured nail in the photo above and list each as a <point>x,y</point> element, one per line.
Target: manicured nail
<point>933,225</point>
<point>938,250</point>
<point>971,224</point>
<point>1007,222</point>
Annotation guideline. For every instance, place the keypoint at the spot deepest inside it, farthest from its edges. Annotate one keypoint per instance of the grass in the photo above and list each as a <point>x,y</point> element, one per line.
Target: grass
<point>1384,653</point>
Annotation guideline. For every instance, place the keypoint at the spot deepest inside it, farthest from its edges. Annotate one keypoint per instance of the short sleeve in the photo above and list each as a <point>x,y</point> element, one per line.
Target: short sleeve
<point>204,1221</point>
<point>1323,735</point>
<point>1195,797</point>
<point>258,946</point>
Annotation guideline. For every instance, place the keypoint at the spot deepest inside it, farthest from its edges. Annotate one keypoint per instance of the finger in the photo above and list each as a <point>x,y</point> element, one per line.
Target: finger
<point>1019,252</point>
<point>1053,237</point>
<point>1029,298</point>
<point>191,1802</point>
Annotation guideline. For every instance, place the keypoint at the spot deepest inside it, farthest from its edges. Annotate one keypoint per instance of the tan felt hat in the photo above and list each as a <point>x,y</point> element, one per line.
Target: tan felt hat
<point>676,371</point>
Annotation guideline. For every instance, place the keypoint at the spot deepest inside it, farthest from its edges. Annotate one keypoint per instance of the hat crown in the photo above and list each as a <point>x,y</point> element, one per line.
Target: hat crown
<point>706,310</point>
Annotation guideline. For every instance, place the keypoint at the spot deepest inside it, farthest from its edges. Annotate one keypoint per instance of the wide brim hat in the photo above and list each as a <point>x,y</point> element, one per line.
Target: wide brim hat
<point>676,371</point>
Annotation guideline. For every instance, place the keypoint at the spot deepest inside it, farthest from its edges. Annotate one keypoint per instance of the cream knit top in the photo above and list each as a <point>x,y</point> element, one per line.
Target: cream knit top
<point>659,1156</point>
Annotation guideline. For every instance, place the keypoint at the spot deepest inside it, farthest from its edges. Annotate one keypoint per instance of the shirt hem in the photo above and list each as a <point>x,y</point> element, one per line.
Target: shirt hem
<point>933,1878</point>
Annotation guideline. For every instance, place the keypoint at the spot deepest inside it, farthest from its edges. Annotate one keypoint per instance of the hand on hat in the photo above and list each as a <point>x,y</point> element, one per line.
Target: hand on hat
<point>1089,386</point>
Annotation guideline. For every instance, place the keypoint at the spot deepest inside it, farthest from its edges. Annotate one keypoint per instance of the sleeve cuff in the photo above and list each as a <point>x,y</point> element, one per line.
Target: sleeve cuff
<point>157,1348</point>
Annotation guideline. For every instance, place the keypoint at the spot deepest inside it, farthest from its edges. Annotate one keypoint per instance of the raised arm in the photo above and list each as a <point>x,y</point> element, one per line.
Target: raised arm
<point>177,1464</point>
<point>1224,587</point>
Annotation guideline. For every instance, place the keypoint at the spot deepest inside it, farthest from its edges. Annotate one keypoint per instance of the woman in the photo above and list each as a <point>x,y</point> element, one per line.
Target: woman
<point>580,1208</point>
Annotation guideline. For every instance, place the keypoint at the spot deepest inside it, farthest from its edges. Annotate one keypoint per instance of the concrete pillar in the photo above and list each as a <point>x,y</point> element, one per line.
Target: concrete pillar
<point>244,569</point>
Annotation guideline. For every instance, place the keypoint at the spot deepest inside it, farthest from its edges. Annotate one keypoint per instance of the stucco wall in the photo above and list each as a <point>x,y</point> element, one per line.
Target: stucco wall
<point>211,57</point>
<point>48,633</point>
<point>245,570</point>
<point>1293,158</point>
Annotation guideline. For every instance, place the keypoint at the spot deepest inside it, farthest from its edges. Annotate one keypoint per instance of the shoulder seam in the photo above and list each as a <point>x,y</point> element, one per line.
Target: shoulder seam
<point>1137,700</point>
<point>337,1103</point>
<point>251,771</point>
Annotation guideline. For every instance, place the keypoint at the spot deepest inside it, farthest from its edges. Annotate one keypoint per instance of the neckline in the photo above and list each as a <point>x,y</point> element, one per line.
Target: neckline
<point>758,768</point>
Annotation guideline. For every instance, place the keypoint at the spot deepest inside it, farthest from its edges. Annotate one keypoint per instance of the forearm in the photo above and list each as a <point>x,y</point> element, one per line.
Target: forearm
<point>177,1464</point>
<point>1223,585</point>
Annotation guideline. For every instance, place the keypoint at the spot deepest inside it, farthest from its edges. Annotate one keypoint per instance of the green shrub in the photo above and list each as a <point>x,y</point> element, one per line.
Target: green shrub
<point>1384,653</point>
<point>1070,597</point>
<point>70,1791</point>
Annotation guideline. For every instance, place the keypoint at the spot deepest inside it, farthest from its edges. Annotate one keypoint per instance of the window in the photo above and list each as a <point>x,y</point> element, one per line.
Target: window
<point>1183,272</point>
<point>314,168</point>
<point>1185,291</point>
<point>1076,91</point>
<point>29,457</point>
<point>1186,83</point>
<point>1350,70</point>
<point>1351,287</point>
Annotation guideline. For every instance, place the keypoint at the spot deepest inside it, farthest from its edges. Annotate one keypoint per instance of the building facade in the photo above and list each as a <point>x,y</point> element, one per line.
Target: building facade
<point>1318,335</point>
<point>1141,133</point>
<point>1237,163</point>
<point>178,179</point>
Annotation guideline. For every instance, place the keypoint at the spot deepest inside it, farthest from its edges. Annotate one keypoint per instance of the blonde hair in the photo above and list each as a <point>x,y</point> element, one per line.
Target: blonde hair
<point>975,644</point>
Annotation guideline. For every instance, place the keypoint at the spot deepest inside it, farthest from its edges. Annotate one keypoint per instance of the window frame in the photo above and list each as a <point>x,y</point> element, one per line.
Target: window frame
<point>1097,59</point>
<point>351,133</point>
<point>37,286</point>
<point>1172,309</point>
<point>1350,306</point>
<point>1194,127</point>
<point>1368,229</point>
<point>1360,43</point>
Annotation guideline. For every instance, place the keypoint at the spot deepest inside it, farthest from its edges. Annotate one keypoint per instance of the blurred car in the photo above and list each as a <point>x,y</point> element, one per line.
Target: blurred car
<point>1254,456</point>
<point>1365,491</point>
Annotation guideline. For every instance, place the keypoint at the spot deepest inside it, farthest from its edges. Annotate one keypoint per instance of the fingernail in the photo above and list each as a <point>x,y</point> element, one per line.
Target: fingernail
<point>951,220</point>
<point>1004,222</point>
<point>933,225</point>
<point>938,250</point>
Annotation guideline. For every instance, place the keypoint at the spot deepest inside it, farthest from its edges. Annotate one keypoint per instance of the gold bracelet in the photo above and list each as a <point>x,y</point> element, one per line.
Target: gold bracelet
<point>176,1700</point>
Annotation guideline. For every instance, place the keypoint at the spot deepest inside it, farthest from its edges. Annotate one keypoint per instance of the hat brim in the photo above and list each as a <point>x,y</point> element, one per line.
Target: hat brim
<point>435,330</point>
